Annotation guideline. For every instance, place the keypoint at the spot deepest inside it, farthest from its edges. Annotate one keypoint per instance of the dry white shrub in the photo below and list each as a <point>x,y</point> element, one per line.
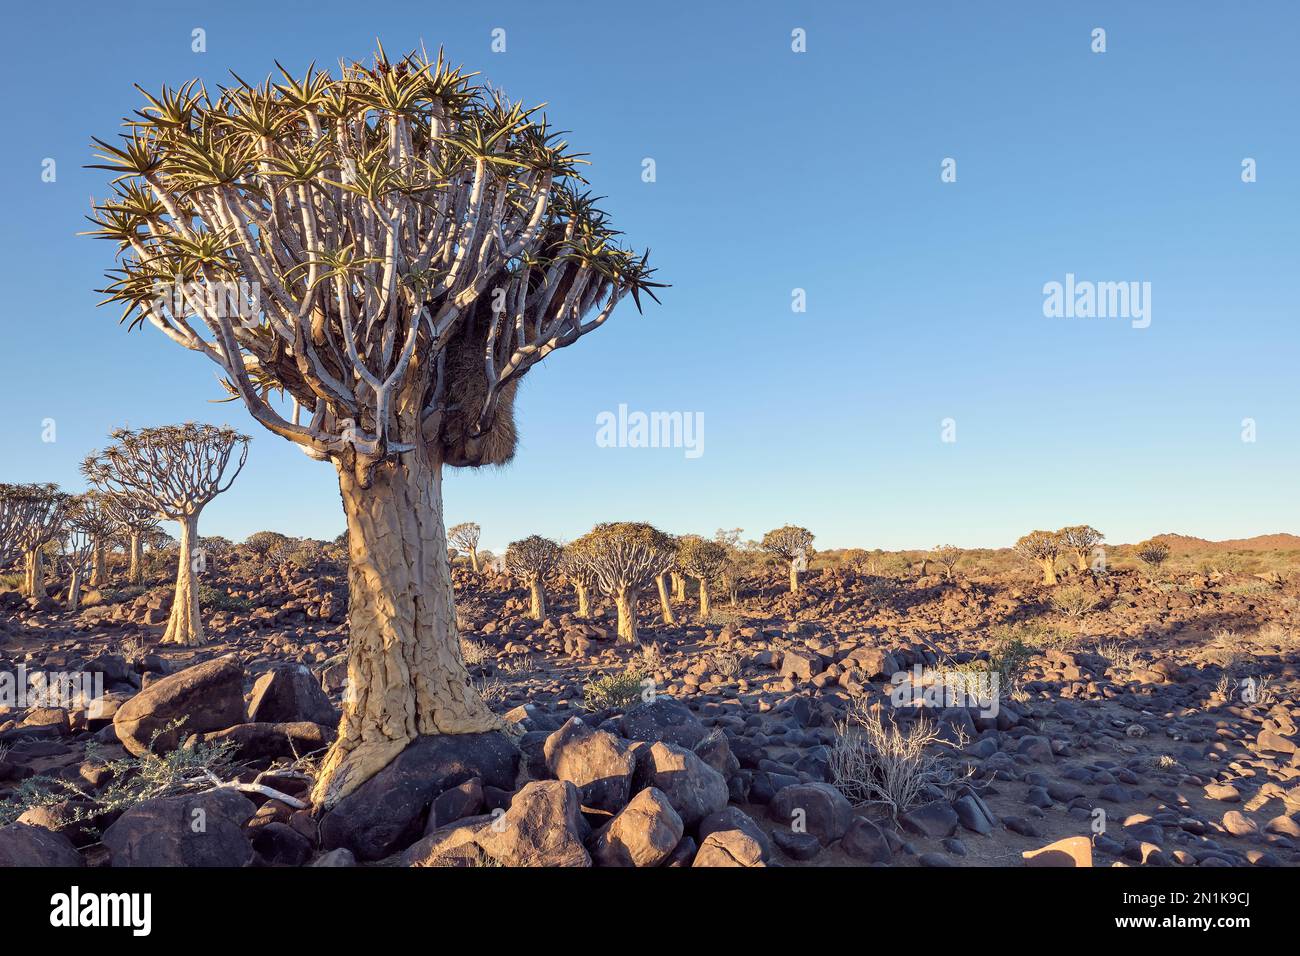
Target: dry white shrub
<point>876,761</point>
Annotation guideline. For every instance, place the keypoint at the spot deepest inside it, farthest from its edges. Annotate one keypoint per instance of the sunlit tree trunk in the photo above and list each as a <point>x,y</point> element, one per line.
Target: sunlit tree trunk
<point>406,677</point>
<point>1049,570</point>
<point>794,578</point>
<point>34,575</point>
<point>473,560</point>
<point>185,626</point>
<point>74,591</point>
<point>666,606</point>
<point>135,545</point>
<point>625,603</point>
<point>584,600</point>
<point>704,599</point>
<point>99,572</point>
<point>536,600</point>
<point>679,587</point>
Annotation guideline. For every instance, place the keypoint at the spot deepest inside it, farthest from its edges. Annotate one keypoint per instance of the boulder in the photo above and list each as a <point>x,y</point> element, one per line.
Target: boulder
<point>543,827</point>
<point>663,719</point>
<point>644,833</point>
<point>692,787</point>
<point>387,812</point>
<point>207,696</point>
<point>23,845</point>
<point>729,848</point>
<point>289,693</point>
<point>200,829</point>
<point>815,808</point>
<point>599,764</point>
<point>1072,851</point>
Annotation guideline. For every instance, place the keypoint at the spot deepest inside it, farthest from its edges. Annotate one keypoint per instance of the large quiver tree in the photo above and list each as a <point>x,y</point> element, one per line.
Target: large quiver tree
<point>175,470</point>
<point>531,560</point>
<point>625,557</point>
<point>409,246</point>
<point>133,522</point>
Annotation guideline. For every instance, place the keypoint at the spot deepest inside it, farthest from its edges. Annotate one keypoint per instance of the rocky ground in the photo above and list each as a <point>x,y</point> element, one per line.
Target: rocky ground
<point>1139,724</point>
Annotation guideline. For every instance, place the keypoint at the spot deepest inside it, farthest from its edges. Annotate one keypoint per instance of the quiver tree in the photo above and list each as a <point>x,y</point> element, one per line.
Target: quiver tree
<point>531,560</point>
<point>577,571</point>
<point>661,581</point>
<point>85,525</point>
<point>402,247</point>
<point>1080,540</point>
<point>174,470</point>
<point>1153,553</point>
<point>702,560</point>
<point>133,521</point>
<point>793,545</point>
<point>1041,548</point>
<point>625,557</point>
<point>36,515</point>
<point>465,536</point>
<point>946,556</point>
<point>89,515</point>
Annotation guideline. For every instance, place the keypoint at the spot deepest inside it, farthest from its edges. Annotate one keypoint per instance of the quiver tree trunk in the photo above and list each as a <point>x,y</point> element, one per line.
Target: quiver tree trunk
<point>473,561</point>
<point>34,575</point>
<point>1049,570</point>
<point>536,600</point>
<point>625,603</point>
<point>704,599</point>
<point>679,587</point>
<point>584,600</point>
<point>661,582</point>
<point>99,570</point>
<point>406,677</point>
<point>74,591</point>
<point>1081,560</point>
<point>184,626</point>
<point>135,546</point>
<point>794,578</point>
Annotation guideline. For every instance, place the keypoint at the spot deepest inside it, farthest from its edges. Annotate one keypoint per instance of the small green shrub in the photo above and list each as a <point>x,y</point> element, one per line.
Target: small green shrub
<point>613,690</point>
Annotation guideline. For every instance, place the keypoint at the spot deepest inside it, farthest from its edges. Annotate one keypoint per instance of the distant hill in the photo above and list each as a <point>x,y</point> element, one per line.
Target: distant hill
<point>1181,543</point>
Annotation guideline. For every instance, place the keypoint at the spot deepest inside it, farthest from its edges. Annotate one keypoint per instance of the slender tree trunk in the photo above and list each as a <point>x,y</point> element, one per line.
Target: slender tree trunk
<point>74,591</point>
<point>34,583</point>
<point>1081,560</point>
<point>704,599</point>
<point>1049,570</point>
<point>679,587</point>
<point>185,627</point>
<point>584,600</point>
<point>625,602</point>
<point>536,600</point>
<point>794,578</point>
<point>661,581</point>
<point>99,572</point>
<point>406,677</point>
<point>136,547</point>
<point>473,560</point>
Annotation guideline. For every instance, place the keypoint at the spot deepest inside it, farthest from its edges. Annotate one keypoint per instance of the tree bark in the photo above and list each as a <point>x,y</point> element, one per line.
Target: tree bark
<point>679,587</point>
<point>74,591</point>
<point>704,599</point>
<point>794,578</point>
<point>406,677</point>
<point>185,626</point>
<point>665,605</point>
<point>1049,570</point>
<point>473,560</point>
<point>537,600</point>
<point>1081,560</point>
<point>136,546</point>
<point>34,571</point>
<point>99,572</point>
<point>625,602</point>
<point>584,600</point>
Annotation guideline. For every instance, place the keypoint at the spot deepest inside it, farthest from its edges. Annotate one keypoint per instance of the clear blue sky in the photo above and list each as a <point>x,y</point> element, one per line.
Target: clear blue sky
<point>775,170</point>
